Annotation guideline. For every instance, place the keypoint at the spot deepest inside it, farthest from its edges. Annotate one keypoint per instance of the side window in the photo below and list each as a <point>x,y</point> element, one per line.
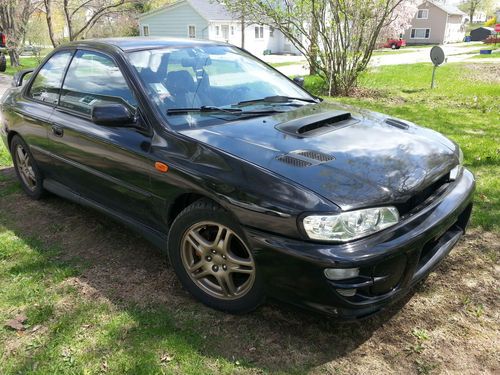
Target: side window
<point>47,83</point>
<point>92,79</point>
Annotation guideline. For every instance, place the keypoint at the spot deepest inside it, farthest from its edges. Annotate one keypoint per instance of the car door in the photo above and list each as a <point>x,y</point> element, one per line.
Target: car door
<point>34,108</point>
<point>108,165</point>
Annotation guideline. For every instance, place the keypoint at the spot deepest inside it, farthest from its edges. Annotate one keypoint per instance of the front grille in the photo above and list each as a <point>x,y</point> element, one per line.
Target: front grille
<point>425,197</point>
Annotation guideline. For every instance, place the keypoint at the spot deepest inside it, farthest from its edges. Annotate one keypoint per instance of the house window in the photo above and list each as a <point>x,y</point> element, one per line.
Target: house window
<point>420,33</point>
<point>259,32</point>
<point>192,31</point>
<point>145,30</point>
<point>271,32</point>
<point>217,30</point>
<point>232,30</point>
<point>423,14</point>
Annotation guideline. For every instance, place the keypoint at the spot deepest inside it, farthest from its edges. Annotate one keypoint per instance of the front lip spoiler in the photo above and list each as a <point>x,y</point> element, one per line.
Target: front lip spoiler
<point>294,269</point>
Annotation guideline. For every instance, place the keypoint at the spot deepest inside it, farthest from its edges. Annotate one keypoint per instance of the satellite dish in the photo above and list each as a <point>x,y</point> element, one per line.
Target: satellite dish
<point>437,55</point>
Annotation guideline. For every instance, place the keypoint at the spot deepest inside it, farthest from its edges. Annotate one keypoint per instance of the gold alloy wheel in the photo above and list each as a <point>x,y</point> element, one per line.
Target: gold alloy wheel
<point>217,260</point>
<point>25,168</point>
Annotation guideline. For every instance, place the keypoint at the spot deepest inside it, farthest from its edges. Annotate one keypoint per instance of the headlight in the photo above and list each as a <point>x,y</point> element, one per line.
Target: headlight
<point>455,172</point>
<point>460,156</point>
<point>348,226</point>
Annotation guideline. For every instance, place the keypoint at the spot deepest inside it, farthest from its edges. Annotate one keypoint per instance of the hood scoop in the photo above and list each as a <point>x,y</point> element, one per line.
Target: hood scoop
<point>397,124</point>
<point>304,158</point>
<point>317,124</point>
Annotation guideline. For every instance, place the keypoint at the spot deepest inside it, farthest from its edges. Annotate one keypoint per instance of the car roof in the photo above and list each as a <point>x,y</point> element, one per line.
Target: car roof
<point>141,43</point>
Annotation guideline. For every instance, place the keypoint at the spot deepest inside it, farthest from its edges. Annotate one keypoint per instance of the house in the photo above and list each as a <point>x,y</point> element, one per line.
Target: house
<point>479,17</point>
<point>481,33</point>
<point>436,23</point>
<point>205,19</point>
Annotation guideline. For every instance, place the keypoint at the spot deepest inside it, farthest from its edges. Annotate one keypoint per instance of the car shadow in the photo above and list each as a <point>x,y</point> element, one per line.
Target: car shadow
<point>121,268</point>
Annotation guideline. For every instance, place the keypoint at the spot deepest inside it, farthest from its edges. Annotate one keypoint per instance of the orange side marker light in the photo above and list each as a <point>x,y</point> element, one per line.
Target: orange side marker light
<point>161,167</point>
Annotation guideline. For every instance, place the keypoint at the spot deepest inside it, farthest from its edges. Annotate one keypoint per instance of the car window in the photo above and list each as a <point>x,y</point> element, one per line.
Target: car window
<point>47,83</point>
<point>94,79</point>
<point>212,75</point>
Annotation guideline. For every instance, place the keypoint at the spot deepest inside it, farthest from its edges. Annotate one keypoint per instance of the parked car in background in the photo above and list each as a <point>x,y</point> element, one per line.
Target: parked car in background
<point>30,50</point>
<point>251,185</point>
<point>3,52</point>
<point>395,43</point>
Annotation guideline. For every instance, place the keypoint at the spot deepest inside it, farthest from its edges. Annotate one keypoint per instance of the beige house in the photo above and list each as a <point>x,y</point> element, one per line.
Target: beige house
<point>436,23</point>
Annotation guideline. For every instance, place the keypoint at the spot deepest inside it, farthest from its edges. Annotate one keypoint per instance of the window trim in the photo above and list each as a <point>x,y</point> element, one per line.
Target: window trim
<point>426,14</point>
<point>420,28</point>
<point>217,30</point>
<point>259,35</point>
<point>142,29</point>
<point>194,27</point>
<point>31,80</point>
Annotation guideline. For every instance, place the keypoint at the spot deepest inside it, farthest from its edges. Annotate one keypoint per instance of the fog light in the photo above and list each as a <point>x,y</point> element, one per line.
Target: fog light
<point>341,273</point>
<point>346,292</point>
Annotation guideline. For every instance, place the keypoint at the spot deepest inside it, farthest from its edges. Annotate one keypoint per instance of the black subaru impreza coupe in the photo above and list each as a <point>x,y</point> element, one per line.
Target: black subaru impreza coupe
<point>251,185</point>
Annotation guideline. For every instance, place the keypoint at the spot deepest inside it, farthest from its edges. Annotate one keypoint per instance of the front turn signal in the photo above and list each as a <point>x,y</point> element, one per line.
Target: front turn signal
<point>161,167</point>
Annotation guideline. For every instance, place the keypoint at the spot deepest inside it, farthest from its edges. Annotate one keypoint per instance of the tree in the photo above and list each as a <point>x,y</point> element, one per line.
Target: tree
<point>239,10</point>
<point>470,6</point>
<point>399,21</point>
<point>80,16</point>
<point>337,37</point>
<point>14,16</point>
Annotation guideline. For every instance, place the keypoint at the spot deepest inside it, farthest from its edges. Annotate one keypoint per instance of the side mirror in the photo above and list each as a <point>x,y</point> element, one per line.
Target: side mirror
<point>299,81</point>
<point>112,114</point>
<point>19,77</point>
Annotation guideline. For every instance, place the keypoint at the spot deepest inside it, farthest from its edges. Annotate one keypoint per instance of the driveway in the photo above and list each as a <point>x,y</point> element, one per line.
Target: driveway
<point>454,52</point>
<point>4,82</point>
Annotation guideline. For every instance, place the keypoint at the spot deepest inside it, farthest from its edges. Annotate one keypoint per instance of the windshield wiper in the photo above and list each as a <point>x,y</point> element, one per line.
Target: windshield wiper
<point>203,108</point>
<point>212,109</point>
<point>275,99</point>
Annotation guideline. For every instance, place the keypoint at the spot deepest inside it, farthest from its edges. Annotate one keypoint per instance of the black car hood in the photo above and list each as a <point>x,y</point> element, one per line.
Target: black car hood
<point>374,162</point>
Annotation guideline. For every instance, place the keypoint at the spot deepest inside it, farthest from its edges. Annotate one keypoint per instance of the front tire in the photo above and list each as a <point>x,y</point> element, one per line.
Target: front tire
<point>27,170</point>
<point>212,259</point>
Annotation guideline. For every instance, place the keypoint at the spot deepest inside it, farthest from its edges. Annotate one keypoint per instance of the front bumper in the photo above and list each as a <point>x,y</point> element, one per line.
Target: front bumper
<point>390,262</point>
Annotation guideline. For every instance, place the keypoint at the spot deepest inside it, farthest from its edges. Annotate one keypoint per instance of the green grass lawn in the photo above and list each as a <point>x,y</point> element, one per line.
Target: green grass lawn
<point>388,51</point>
<point>464,107</point>
<point>99,300</point>
<point>494,55</point>
<point>26,62</point>
<point>286,63</point>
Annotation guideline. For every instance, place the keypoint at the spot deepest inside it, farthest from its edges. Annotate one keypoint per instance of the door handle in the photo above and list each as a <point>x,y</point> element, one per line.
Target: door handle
<point>57,131</point>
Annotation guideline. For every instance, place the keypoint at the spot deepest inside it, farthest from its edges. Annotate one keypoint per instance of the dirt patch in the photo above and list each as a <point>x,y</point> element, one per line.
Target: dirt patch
<point>489,73</point>
<point>449,325</point>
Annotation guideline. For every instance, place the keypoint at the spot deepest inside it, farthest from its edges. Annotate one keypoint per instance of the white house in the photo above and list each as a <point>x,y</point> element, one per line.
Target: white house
<point>436,23</point>
<point>203,19</point>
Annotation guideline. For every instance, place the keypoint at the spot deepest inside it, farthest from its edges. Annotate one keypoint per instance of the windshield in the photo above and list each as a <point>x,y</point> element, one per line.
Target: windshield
<point>213,84</point>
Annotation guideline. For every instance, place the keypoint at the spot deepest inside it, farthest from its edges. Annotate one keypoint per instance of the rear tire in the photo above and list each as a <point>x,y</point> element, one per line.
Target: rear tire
<point>393,46</point>
<point>212,259</point>
<point>27,170</point>
<point>3,63</point>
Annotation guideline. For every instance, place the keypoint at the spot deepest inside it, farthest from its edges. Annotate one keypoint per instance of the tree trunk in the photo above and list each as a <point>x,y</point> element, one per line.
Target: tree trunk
<point>242,30</point>
<point>48,14</point>
<point>313,47</point>
<point>14,57</point>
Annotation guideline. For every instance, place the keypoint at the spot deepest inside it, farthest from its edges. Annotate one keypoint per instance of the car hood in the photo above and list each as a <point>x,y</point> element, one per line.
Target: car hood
<point>361,160</point>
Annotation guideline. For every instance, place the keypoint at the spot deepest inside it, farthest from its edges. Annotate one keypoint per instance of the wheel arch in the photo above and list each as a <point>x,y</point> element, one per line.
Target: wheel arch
<point>10,136</point>
<point>181,202</point>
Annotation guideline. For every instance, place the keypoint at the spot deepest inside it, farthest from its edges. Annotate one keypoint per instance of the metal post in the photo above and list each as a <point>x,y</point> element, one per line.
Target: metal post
<point>433,74</point>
